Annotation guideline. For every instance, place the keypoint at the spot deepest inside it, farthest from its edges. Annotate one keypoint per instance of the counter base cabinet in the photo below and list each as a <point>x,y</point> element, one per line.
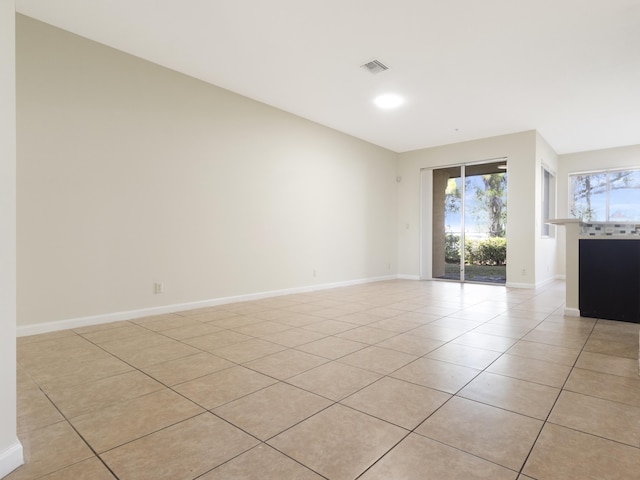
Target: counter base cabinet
<point>610,279</point>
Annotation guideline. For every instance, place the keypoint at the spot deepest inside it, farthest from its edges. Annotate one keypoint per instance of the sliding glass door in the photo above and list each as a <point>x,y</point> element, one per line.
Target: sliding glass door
<point>469,222</point>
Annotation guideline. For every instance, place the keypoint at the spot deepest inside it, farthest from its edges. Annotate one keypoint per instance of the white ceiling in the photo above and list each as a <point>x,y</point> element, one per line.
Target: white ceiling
<point>467,68</point>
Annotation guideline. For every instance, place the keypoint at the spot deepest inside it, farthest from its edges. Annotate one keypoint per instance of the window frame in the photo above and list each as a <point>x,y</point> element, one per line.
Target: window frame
<point>570,200</point>
<point>547,201</point>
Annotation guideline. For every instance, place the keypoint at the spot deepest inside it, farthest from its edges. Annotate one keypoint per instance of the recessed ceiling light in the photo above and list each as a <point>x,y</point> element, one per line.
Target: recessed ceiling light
<point>388,100</point>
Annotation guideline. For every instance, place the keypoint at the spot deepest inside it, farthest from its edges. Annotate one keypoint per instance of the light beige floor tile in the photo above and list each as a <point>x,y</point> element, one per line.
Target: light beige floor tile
<point>214,341</point>
<point>250,350</point>
<point>443,376</point>
<point>437,310</point>
<point>125,421</point>
<point>558,339</point>
<point>338,443</point>
<point>35,410</point>
<point>330,327</point>
<point>298,319</point>
<point>610,387</point>
<point>621,347</point>
<point>212,315</point>
<point>272,410</point>
<point>78,370</point>
<point>491,433</point>
<point>44,355</point>
<point>261,329</point>
<point>510,331</point>
<point>547,353</point>
<point>181,452</point>
<point>599,362</point>
<point>187,368</point>
<point>332,347</point>
<point>519,396</point>
<point>224,386</point>
<point>190,331</point>
<point>231,322</point>
<point>378,360</point>
<point>131,345</point>
<point>294,337</point>
<point>475,315</point>
<point>604,418</point>
<point>159,323</point>
<point>110,334</point>
<point>334,380</point>
<point>261,463</point>
<point>464,355</point>
<point>416,317</point>
<point>570,455</point>
<point>565,326</point>
<point>417,456</point>
<point>48,449</point>
<point>91,469</point>
<point>412,344</point>
<point>101,326</point>
<point>531,370</point>
<point>360,318</point>
<point>286,364</point>
<point>396,324</point>
<point>245,308</point>
<point>368,335</point>
<point>401,403</point>
<point>485,341</point>
<point>21,341</point>
<point>87,397</point>
<point>385,311</point>
<point>511,320</point>
<point>437,332</point>
<point>158,354</point>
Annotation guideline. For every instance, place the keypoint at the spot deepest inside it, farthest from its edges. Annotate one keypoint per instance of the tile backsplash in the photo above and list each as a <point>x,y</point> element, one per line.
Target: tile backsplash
<point>609,228</point>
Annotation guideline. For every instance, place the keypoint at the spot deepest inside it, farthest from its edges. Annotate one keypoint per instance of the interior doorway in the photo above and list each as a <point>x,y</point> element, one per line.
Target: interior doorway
<point>469,222</point>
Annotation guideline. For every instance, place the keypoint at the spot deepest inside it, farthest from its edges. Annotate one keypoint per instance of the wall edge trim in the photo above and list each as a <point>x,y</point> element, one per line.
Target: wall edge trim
<point>11,458</point>
<point>65,324</point>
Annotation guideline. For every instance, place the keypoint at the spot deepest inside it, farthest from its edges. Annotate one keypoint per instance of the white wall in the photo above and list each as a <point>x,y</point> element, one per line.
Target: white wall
<point>520,149</point>
<point>546,248</point>
<point>10,448</point>
<point>130,174</point>
<point>611,158</point>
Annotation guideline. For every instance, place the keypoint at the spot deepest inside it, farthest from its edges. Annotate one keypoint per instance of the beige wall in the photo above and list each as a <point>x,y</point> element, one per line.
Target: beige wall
<point>546,248</point>
<point>10,448</point>
<point>131,174</point>
<point>520,150</point>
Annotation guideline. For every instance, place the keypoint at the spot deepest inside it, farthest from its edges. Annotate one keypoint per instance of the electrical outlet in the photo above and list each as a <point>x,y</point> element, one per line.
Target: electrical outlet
<point>315,274</point>
<point>524,272</point>
<point>158,287</point>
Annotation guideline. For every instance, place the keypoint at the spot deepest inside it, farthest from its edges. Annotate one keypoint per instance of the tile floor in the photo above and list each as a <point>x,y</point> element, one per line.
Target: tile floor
<point>390,380</point>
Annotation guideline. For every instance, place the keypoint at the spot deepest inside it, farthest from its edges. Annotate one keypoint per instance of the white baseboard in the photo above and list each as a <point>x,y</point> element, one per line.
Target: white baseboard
<point>572,312</point>
<point>45,327</point>
<point>11,458</point>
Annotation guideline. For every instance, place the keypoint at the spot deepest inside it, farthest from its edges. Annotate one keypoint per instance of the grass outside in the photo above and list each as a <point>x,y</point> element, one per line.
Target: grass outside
<point>476,273</point>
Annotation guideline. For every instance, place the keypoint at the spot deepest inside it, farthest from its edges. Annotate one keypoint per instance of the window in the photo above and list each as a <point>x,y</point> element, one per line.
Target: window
<point>548,201</point>
<point>609,196</point>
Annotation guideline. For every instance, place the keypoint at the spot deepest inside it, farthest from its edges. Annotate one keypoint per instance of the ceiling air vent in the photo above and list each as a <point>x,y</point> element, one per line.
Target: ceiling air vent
<point>375,66</point>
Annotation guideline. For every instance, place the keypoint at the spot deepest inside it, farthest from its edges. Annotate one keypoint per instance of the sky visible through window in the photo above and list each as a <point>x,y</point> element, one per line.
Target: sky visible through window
<point>605,196</point>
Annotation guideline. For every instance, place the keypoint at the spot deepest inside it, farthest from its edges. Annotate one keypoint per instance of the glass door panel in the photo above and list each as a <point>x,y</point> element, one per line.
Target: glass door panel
<point>447,223</point>
<point>485,220</point>
<point>469,223</point>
